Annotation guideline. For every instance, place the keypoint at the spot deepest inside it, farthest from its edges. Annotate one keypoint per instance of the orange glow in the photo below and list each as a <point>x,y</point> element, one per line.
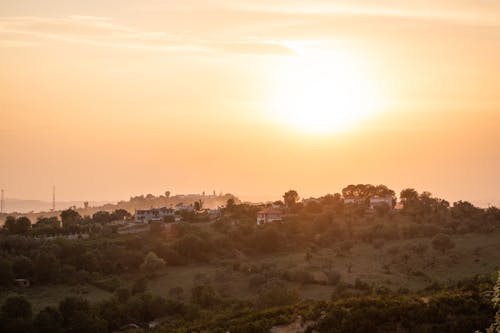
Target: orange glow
<point>111,99</point>
<point>322,95</point>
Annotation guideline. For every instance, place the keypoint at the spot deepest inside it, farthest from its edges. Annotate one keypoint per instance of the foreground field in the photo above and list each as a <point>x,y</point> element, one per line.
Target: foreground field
<point>307,271</point>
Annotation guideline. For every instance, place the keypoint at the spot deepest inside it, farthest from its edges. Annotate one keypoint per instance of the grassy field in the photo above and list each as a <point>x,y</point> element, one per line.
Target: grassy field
<point>473,254</point>
<point>40,297</point>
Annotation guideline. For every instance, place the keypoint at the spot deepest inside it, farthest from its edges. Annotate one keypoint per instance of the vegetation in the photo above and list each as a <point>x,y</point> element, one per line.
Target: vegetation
<point>425,267</point>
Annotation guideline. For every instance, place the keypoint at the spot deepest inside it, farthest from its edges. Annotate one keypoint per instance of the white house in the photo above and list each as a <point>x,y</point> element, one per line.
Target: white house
<point>352,201</point>
<point>153,214</point>
<point>375,201</point>
<point>269,215</point>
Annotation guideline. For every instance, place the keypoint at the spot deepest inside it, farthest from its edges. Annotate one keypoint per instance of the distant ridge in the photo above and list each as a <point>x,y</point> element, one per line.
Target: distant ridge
<point>28,206</point>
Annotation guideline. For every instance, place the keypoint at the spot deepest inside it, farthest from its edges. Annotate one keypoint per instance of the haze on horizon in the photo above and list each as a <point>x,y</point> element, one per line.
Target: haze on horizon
<point>107,100</point>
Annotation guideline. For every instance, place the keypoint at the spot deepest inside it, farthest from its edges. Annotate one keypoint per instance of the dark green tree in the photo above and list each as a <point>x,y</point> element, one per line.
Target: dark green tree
<point>152,264</point>
<point>6,273</point>
<point>48,320</point>
<point>46,267</point>
<point>291,198</point>
<point>23,225</point>
<point>22,267</point>
<point>120,215</point>
<point>70,217</point>
<point>16,313</point>
<point>442,242</point>
<point>101,217</point>
<point>10,224</point>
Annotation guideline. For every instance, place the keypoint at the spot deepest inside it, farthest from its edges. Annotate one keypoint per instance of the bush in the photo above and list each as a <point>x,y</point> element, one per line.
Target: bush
<point>204,296</point>
<point>442,242</point>
<point>278,296</point>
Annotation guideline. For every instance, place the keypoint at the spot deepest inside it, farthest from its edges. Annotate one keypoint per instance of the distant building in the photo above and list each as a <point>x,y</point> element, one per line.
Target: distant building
<point>182,207</point>
<point>153,214</point>
<point>375,201</point>
<point>353,201</point>
<point>306,201</point>
<point>23,283</point>
<point>269,215</point>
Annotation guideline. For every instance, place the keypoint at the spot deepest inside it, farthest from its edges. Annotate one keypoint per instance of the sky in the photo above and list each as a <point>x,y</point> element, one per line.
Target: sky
<point>108,99</point>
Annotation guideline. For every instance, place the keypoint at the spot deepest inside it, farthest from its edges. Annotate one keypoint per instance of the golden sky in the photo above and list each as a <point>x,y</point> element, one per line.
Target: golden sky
<point>106,99</point>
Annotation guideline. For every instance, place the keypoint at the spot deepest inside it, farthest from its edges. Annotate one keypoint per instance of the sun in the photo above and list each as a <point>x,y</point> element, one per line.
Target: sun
<point>322,95</point>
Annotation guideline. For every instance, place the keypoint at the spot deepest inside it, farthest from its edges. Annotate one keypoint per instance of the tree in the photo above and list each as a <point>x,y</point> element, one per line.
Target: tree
<point>101,217</point>
<point>382,209</point>
<point>120,215</point>
<point>442,242</point>
<point>70,217</point>
<point>167,194</point>
<point>464,210</point>
<point>46,225</point>
<point>10,224</point>
<point>77,317</point>
<point>313,207</point>
<point>17,306</point>
<point>16,314</point>
<point>46,267</point>
<point>152,264</point>
<point>204,296</point>
<point>6,274</point>
<point>22,267</point>
<point>23,225</point>
<point>47,221</point>
<point>122,294</point>
<point>291,198</point>
<point>408,196</point>
<point>48,320</point>
<point>230,204</point>
<point>89,261</point>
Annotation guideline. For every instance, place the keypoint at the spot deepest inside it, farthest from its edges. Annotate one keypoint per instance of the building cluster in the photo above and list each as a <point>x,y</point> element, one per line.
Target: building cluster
<point>275,213</point>
<point>163,213</point>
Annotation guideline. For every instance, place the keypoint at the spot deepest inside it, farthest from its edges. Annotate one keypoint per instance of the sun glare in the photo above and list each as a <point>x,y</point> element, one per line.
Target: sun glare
<point>323,94</point>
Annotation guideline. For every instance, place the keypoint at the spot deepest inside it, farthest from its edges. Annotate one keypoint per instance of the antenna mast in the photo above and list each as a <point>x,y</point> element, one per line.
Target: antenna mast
<point>53,198</point>
<point>1,202</point>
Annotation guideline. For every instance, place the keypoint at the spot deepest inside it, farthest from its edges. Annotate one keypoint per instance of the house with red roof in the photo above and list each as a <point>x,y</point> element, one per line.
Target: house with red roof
<point>269,215</point>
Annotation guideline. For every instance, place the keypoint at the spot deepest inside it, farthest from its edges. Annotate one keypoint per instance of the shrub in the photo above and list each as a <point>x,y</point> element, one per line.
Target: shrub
<point>278,296</point>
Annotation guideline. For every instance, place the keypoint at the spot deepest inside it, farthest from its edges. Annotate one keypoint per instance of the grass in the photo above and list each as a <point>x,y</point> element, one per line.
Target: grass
<point>473,254</point>
<point>41,297</point>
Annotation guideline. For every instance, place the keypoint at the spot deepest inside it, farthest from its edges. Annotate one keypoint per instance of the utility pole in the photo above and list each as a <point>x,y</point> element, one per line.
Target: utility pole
<point>53,198</point>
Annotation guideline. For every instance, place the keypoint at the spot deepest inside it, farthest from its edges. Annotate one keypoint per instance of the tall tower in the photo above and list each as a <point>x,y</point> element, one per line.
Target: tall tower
<point>1,201</point>
<point>53,198</point>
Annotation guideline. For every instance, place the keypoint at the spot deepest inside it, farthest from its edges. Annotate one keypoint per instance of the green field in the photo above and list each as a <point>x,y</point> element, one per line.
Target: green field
<point>473,254</point>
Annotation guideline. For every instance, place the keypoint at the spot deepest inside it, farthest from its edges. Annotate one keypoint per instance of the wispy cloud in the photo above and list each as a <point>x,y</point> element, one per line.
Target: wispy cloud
<point>478,12</point>
<point>105,32</point>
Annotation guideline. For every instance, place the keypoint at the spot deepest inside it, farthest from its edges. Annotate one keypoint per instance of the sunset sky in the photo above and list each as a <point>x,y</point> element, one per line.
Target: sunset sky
<point>108,99</point>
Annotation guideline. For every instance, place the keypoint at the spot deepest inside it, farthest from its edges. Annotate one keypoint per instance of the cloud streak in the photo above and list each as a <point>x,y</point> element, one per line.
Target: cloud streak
<point>105,32</point>
<point>466,12</point>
